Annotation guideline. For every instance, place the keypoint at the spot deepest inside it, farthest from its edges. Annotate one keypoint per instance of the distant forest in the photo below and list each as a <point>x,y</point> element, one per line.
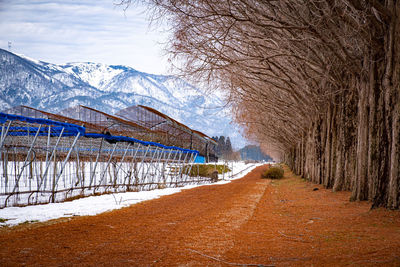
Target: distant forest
<point>224,148</point>
<point>250,152</point>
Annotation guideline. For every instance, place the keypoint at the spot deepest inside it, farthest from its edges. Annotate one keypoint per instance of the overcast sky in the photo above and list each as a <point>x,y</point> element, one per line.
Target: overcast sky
<point>82,31</point>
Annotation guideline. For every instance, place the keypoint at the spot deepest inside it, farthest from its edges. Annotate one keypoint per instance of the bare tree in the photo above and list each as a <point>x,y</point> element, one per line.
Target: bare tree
<point>317,82</point>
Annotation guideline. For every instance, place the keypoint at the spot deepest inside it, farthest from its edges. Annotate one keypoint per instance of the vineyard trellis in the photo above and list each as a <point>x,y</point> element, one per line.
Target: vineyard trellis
<point>46,160</point>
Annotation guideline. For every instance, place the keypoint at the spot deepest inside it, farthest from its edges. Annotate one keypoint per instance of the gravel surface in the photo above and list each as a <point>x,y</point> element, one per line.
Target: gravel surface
<point>248,222</point>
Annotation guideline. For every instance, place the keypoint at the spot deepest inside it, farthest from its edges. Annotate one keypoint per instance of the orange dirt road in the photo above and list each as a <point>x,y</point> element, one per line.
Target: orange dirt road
<point>248,222</point>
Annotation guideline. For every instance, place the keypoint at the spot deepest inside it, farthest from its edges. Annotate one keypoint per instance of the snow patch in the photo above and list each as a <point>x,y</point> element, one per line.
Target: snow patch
<point>98,204</point>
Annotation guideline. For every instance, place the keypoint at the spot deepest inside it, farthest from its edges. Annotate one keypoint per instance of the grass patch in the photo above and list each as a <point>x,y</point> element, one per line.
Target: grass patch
<point>206,170</point>
<point>2,220</point>
<point>68,199</point>
<point>273,173</point>
<point>29,222</point>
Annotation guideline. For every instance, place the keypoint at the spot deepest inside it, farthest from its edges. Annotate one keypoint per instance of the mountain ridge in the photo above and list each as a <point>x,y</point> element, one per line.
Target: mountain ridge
<point>109,88</point>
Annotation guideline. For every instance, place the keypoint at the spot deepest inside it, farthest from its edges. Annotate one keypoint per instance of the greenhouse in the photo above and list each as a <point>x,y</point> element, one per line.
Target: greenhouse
<point>47,157</point>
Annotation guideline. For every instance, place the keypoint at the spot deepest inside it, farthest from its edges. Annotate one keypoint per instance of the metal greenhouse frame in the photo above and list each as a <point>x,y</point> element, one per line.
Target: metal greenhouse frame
<point>46,157</point>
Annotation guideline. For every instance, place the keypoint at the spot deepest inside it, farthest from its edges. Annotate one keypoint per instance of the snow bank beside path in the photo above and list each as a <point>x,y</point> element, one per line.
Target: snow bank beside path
<point>98,204</point>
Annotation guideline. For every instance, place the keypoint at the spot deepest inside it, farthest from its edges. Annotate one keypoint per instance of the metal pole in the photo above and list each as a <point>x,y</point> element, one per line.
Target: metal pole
<point>66,159</point>
<point>150,163</point>
<point>49,160</point>
<point>132,164</point>
<point>183,167</point>
<point>108,164</point>
<point>4,134</point>
<point>120,165</point>
<point>191,164</point>
<point>95,165</point>
<point>165,164</point>
<point>24,165</point>
<point>47,157</point>
<point>142,163</point>
<point>175,171</point>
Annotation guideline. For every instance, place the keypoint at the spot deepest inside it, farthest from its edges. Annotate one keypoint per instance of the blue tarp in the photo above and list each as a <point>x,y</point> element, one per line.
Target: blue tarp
<point>134,140</point>
<point>72,130</point>
<point>44,131</point>
<point>71,127</point>
<point>200,159</point>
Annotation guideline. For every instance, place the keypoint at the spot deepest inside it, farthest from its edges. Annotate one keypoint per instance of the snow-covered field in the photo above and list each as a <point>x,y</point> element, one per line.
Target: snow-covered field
<point>98,204</point>
<point>83,179</point>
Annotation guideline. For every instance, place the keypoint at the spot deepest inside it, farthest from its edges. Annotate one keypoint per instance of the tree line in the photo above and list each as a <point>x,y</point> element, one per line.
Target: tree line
<point>254,152</point>
<point>317,82</point>
<point>224,146</point>
<point>224,149</point>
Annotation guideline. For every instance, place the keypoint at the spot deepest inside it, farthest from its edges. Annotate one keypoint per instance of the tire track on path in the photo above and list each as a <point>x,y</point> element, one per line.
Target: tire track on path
<point>217,237</point>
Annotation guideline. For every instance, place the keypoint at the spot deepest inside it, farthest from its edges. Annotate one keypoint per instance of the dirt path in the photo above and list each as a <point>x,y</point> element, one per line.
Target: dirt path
<point>248,221</point>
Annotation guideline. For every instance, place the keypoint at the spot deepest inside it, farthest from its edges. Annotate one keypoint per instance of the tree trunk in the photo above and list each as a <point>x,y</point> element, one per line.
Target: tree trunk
<point>360,189</point>
<point>339,178</point>
<point>394,173</point>
<point>355,145</point>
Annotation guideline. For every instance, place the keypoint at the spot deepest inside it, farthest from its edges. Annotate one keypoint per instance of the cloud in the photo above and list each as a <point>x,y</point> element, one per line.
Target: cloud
<point>96,31</point>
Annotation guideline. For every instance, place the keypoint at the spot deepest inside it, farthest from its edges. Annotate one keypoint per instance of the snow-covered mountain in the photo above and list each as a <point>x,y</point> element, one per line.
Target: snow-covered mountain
<point>109,88</point>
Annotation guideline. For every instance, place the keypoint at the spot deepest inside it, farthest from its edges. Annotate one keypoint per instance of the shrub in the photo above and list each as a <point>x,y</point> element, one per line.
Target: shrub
<point>205,170</point>
<point>273,173</point>
<point>221,168</point>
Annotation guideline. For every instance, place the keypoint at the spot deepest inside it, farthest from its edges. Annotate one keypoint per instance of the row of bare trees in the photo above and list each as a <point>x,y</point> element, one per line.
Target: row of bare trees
<point>317,82</point>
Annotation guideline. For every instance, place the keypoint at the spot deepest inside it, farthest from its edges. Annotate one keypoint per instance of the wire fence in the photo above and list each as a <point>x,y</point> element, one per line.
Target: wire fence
<point>44,161</point>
